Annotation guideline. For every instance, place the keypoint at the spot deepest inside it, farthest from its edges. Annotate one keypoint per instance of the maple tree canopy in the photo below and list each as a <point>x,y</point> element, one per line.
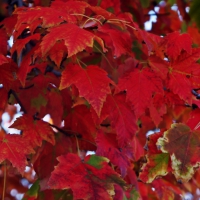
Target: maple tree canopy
<point>109,81</point>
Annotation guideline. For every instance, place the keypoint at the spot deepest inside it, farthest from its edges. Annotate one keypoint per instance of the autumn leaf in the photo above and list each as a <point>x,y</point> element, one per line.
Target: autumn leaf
<point>45,159</point>
<point>184,73</point>
<point>8,73</point>
<point>107,146</point>
<point>3,39</point>
<point>159,66</point>
<point>157,108</point>
<point>122,119</point>
<point>156,166</point>
<point>86,179</point>
<point>92,83</point>
<point>35,16</point>
<point>3,59</point>
<point>121,41</point>
<point>182,144</point>
<point>194,120</point>
<point>15,148</point>
<point>174,43</point>
<point>157,162</point>
<point>75,9</point>
<point>75,39</point>
<point>34,130</point>
<point>137,93</point>
<point>19,45</point>
<point>79,121</point>
<point>25,65</point>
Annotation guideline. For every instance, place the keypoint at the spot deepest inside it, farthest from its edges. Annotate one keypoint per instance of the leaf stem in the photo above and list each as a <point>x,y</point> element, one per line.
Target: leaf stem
<point>18,101</point>
<point>4,181</point>
<point>80,61</point>
<point>104,57</point>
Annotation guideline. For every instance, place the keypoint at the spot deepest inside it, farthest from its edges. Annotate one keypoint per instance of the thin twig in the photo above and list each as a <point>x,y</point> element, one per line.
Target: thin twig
<point>65,132</point>
<point>18,101</point>
<point>104,57</point>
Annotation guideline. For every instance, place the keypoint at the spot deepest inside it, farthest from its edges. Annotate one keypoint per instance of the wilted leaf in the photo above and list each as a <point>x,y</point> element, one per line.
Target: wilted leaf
<point>182,144</point>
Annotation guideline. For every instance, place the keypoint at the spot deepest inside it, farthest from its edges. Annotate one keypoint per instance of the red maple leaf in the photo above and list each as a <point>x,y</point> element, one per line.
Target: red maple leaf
<point>86,179</point>
<point>3,59</point>
<point>92,83</point>
<point>75,39</point>
<point>114,39</point>
<point>157,108</point>
<point>174,43</point>
<point>8,72</point>
<point>138,94</point>
<point>15,148</point>
<point>194,120</point>
<point>34,130</point>
<point>79,121</point>
<point>3,38</point>
<point>185,73</point>
<point>107,146</point>
<point>122,119</point>
<point>19,45</point>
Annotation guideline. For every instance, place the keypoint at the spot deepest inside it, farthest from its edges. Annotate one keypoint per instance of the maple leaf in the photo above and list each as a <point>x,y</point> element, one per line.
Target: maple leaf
<point>157,162</point>
<point>20,43</point>
<point>3,59</point>
<point>45,158</point>
<point>39,16</point>
<point>80,121</point>
<point>86,179</point>
<point>184,73</point>
<point>34,130</point>
<point>119,41</point>
<point>9,24</point>
<point>75,8</point>
<point>25,65</point>
<point>107,146</point>
<point>3,38</point>
<point>15,148</point>
<point>159,66</point>
<point>194,120</point>
<point>175,42</point>
<point>4,98</point>
<point>92,83</point>
<point>157,108</point>
<point>156,166</point>
<point>122,119</point>
<point>138,94</point>
<point>8,73</point>
<point>57,52</point>
<point>182,144</point>
<point>75,39</point>
<point>54,106</point>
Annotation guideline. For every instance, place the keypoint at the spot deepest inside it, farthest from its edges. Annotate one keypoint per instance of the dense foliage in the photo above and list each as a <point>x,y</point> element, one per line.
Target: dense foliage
<point>106,84</point>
